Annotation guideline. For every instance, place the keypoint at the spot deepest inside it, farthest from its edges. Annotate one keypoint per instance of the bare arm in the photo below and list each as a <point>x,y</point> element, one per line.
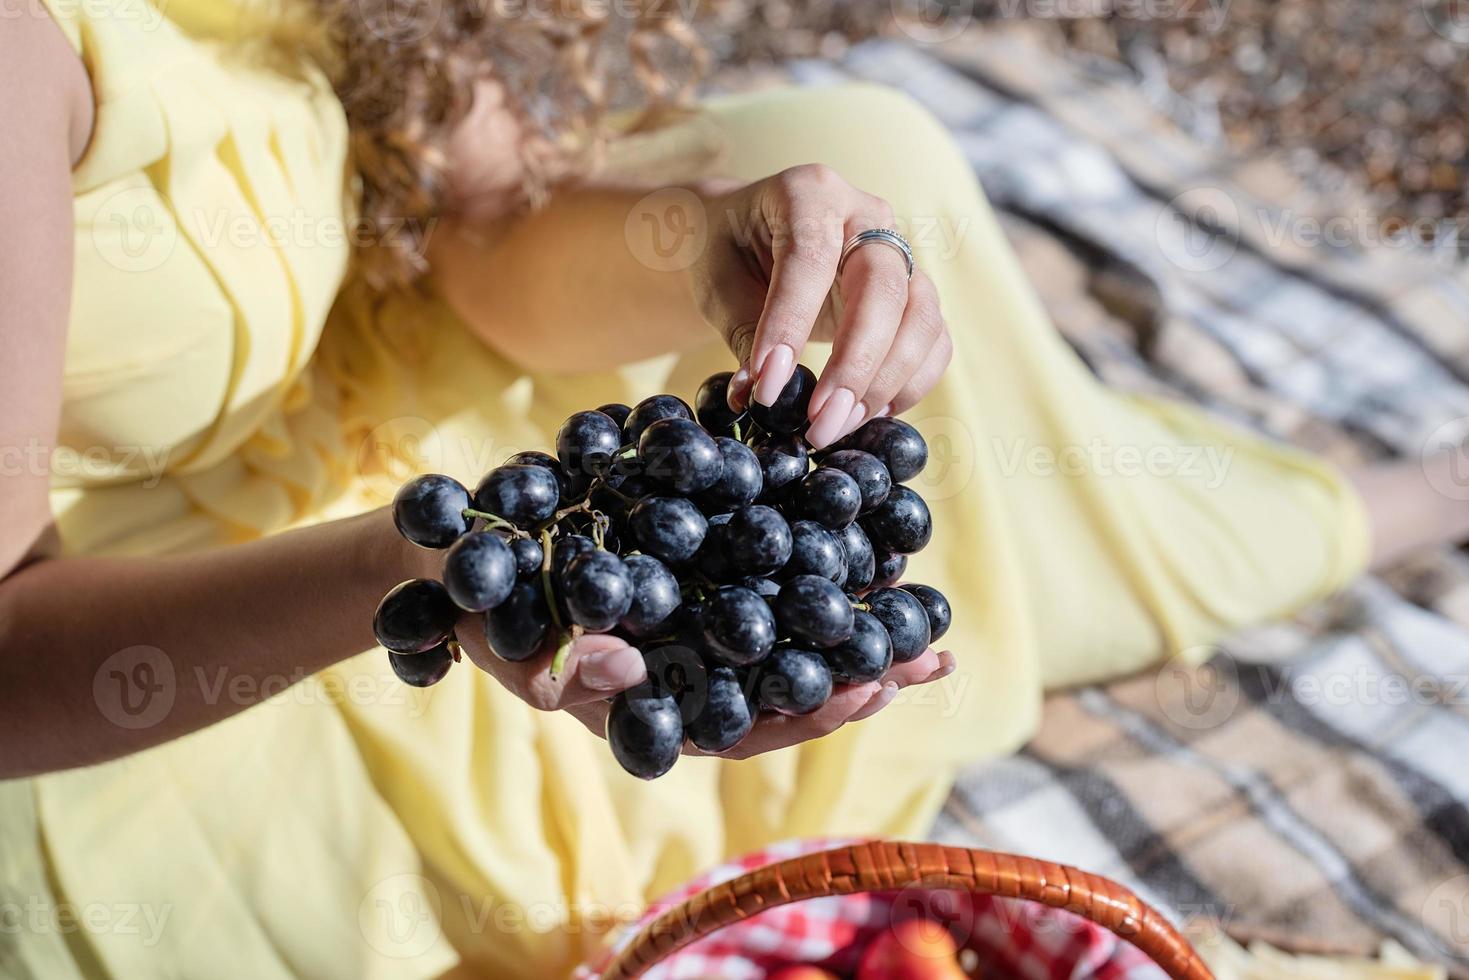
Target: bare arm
<point>612,274</point>
<point>566,288</point>
<point>284,606</point>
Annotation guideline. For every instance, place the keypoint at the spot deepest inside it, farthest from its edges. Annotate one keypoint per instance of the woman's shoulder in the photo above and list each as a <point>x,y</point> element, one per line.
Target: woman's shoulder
<point>42,74</point>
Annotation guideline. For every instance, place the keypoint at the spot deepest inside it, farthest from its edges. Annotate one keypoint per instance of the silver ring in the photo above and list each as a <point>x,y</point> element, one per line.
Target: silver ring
<point>885,236</point>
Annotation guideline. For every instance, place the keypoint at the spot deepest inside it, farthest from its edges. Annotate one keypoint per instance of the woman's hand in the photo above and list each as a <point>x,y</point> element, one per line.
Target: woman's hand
<point>764,282</point>
<point>600,666</point>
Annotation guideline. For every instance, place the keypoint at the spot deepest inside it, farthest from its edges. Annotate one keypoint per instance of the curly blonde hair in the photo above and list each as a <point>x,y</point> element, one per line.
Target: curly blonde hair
<point>405,72</point>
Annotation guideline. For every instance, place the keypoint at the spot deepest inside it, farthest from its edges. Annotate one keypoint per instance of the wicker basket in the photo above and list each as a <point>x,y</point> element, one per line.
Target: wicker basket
<point>884,866</point>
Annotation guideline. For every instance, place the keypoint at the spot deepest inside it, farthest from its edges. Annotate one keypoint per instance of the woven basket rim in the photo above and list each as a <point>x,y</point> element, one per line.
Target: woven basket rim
<point>872,866</point>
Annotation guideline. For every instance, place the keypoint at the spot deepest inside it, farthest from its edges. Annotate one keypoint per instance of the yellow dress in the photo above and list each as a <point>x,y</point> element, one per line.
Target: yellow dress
<point>351,827</point>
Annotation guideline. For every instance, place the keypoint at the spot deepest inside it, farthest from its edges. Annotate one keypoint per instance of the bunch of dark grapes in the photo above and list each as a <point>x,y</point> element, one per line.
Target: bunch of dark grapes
<point>753,573</point>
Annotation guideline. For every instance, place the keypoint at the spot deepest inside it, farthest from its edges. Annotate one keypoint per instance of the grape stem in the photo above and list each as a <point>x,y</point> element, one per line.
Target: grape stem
<point>862,606</point>
<point>546,578</point>
<point>494,520</point>
<point>563,651</point>
<point>602,482</point>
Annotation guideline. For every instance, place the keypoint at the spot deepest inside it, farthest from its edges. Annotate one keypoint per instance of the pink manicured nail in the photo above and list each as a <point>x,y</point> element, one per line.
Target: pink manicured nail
<point>858,416</point>
<point>827,425</point>
<point>774,372</point>
<point>880,700</point>
<point>883,412</point>
<point>947,665</point>
<point>738,392</point>
<point>612,670</point>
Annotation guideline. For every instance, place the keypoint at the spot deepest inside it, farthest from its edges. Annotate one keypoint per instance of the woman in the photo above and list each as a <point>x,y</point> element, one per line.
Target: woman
<point>200,412</point>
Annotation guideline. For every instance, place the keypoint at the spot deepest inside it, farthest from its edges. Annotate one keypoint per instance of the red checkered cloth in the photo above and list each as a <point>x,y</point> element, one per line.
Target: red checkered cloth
<point>1013,939</point>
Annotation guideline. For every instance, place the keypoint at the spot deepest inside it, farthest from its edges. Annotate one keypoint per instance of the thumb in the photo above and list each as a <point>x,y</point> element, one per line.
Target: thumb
<point>732,299</point>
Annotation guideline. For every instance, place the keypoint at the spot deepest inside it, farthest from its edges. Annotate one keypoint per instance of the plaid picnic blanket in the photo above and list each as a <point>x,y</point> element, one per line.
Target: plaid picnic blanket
<point>1308,786</point>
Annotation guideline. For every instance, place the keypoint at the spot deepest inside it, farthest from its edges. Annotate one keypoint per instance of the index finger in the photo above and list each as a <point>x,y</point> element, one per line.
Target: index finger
<point>806,242</point>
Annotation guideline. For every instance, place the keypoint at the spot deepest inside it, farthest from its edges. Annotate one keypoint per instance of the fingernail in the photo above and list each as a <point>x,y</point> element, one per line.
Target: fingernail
<point>774,372</point>
<point>738,392</point>
<point>827,424</point>
<point>612,670</point>
<point>854,420</point>
<point>945,668</point>
<point>883,412</point>
<point>881,700</point>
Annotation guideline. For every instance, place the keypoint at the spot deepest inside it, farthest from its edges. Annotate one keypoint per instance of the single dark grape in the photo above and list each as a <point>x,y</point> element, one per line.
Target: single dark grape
<point>567,547</point>
<point>906,622</point>
<point>739,628</point>
<point>650,410</point>
<point>616,411</point>
<point>861,561</point>
<point>534,457</point>
<point>936,605</point>
<point>757,540</point>
<point>815,551</point>
<point>783,462</point>
<point>479,572</point>
<point>422,669</point>
<point>726,715</point>
<point>793,681</point>
<point>763,587</point>
<point>414,616</point>
<point>655,595</point>
<point>645,731</point>
<point>678,454</point>
<point>520,627</point>
<point>711,405</point>
<point>668,528</point>
<point>815,610</point>
<point>865,655</point>
<point>829,497</point>
<point>429,511</point>
<point>889,569</point>
<point>788,413</point>
<point>900,524</point>
<point>739,483</point>
<point>597,589</point>
<point>528,556</point>
<point>896,443</point>
<point>586,444</point>
<point>523,495</point>
<point>873,479</point>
